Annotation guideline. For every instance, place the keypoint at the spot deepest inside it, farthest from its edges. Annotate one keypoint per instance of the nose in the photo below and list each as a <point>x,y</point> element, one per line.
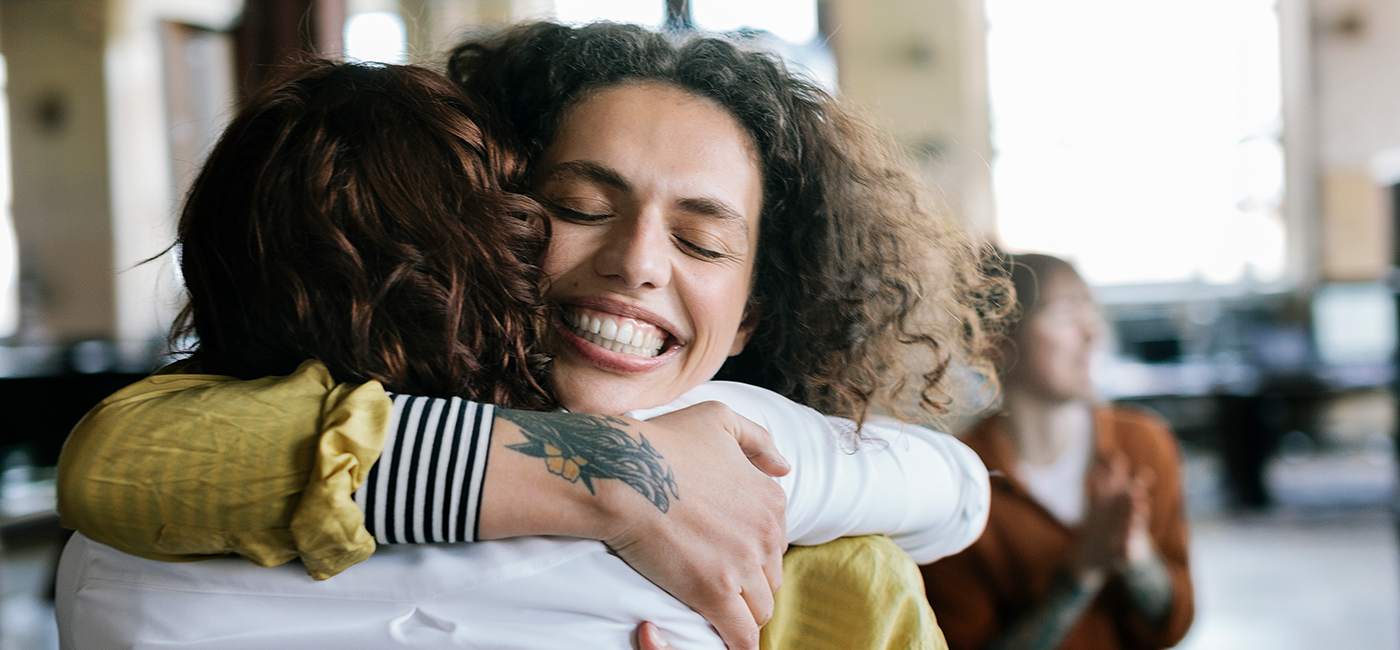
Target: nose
<point>1093,327</point>
<point>637,252</point>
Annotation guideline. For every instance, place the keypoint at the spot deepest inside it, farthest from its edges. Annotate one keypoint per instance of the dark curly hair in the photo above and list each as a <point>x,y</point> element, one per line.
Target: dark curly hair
<point>865,294</point>
<point>355,214</point>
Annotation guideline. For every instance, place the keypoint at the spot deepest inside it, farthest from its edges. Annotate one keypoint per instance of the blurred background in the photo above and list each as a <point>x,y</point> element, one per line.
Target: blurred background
<point>1224,172</point>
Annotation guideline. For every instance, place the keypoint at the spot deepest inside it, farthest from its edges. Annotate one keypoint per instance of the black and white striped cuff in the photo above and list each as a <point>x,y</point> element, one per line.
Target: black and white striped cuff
<point>426,486</point>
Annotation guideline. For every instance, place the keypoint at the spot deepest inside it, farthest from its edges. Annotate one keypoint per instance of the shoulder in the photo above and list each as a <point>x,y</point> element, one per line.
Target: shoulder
<point>786,420</point>
<point>988,438</point>
<point>1132,421</point>
<point>1133,416</point>
<point>1136,431</point>
<point>758,404</point>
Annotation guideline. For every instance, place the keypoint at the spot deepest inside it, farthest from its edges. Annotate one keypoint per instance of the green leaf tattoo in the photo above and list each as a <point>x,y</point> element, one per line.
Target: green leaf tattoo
<point>587,447</point>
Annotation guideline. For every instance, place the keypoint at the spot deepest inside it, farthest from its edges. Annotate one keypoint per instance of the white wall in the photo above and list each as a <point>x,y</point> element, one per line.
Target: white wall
<point>94,188</point>
<point>1356,62</point>
<point>1358,80</point>
<point>54,55</point>
<point>920,65</point>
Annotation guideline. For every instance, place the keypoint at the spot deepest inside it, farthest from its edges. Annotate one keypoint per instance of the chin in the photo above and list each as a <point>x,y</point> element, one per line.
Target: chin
<point>581,391</point>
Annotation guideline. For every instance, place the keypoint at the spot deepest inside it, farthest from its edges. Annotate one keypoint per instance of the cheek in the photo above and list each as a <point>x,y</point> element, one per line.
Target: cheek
<point>564,254</point>
<point>718,304</point>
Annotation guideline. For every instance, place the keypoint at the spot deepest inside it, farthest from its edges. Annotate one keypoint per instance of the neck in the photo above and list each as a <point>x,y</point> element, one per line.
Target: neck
<point>1041,428</point>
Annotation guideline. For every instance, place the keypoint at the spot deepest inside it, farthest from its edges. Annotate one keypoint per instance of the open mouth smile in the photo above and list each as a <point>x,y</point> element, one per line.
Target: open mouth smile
<point>616,333</point>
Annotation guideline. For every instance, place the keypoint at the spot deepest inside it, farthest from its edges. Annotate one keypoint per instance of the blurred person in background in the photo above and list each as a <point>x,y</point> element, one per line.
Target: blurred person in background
<point>1085,546</point>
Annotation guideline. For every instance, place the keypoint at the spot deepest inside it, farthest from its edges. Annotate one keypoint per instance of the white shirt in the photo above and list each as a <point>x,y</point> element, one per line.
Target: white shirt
<point>926,490</point>
<point>1059,484</point>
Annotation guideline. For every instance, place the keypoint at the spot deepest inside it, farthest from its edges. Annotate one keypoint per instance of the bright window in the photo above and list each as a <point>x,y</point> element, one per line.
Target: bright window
<point>9,250</point>
<point>648,13</point>
<point>1140,139</point>
<point>794,21</point>
<point>377,36</point>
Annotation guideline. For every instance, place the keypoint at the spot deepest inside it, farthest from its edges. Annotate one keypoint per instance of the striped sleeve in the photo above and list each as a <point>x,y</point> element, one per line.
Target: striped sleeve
<point>426,486</point>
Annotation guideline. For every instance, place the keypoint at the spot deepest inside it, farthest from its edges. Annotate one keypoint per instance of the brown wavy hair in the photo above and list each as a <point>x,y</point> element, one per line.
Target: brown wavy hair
<point>355,214</point>
<point>865,293</point>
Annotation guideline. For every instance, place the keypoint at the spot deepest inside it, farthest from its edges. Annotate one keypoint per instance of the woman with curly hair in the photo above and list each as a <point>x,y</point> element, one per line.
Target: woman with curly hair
<point>669,209</point>
<point>862,296</point>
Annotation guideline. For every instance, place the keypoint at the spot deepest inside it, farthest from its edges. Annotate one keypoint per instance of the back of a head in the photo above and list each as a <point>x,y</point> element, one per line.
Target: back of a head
<point>851,254</point>
<point>355,214</point>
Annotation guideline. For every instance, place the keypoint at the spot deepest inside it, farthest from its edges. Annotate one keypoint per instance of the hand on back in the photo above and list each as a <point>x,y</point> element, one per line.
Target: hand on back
<point>718,548</point>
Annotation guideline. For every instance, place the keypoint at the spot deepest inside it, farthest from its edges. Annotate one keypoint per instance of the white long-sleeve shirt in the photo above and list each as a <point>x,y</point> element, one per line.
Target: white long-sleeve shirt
<point>924,489</point>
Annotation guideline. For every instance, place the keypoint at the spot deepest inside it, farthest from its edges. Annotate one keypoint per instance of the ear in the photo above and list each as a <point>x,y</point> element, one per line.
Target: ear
<point>746,328</point>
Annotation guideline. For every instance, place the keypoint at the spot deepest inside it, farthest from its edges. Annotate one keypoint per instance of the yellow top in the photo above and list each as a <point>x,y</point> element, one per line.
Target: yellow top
<point>854,592</point>
<point>132,477</point>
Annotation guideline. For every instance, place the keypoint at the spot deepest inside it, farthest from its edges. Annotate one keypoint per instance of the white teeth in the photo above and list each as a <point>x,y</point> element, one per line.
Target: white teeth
<point>626,338</point>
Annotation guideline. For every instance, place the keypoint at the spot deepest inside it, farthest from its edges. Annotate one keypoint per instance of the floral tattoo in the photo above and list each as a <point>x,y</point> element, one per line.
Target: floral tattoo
<point>588,447</point>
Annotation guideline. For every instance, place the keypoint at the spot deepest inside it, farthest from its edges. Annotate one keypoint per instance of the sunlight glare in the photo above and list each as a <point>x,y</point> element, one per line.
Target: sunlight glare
<point>376,37</point>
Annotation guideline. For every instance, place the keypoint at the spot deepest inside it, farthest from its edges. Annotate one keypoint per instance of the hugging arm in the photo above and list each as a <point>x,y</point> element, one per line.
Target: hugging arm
<point>924,489</point>
<point>179,467</point>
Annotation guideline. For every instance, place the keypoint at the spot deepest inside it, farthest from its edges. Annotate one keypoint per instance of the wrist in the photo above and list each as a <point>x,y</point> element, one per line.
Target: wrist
<point>1139,549</point>
<point>522,496</point>
<point>1088,579</point>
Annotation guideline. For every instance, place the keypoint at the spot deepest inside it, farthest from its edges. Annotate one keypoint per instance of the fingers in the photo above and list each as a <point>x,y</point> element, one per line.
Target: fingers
<point>753,440</point>
<point>759,598</point>
<point>1111,478</point>
<point>649,638</point>
<point>1140,492</point>
<point>719,549</point>
<point>759,448</point>
<point>773,570</point>
<point>736,625</point>
<point>1147,475</point>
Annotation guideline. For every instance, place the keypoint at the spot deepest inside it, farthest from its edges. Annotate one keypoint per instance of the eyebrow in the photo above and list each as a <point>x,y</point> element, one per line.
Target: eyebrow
<point>716,209</point>
<point>589,170</point>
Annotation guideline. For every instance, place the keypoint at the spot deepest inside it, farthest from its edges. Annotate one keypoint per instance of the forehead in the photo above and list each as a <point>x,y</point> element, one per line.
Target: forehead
<point>1063,285</point>
<point>670,119</point>
<point>655,144</point>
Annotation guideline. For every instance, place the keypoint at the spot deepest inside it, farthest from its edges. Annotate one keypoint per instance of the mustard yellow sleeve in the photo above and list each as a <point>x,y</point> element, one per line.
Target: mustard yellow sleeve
<point>181,467</point>
<point>853,592</point>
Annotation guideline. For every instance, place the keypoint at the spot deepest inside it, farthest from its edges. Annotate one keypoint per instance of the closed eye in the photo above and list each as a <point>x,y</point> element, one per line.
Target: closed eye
<point>700,251</point>
<point>576,216</point>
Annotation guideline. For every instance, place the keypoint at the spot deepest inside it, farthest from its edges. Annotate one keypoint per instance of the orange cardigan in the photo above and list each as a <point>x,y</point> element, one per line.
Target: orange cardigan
<point>978,592</point>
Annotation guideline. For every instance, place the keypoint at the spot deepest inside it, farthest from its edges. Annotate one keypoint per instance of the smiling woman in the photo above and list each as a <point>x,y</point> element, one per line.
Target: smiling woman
<point>861,295</point>
<point>656,197</point>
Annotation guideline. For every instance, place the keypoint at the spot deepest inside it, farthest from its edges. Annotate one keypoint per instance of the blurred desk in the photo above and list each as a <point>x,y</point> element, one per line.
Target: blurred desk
<point>1129,380</point>
<point>1241,410</point>
<point>45,390</point>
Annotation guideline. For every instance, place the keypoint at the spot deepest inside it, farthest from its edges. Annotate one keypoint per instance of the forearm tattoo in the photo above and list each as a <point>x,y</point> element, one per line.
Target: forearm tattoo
<point>588,447</point>
<point>1150,584</point>
<point>1051,620</point>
